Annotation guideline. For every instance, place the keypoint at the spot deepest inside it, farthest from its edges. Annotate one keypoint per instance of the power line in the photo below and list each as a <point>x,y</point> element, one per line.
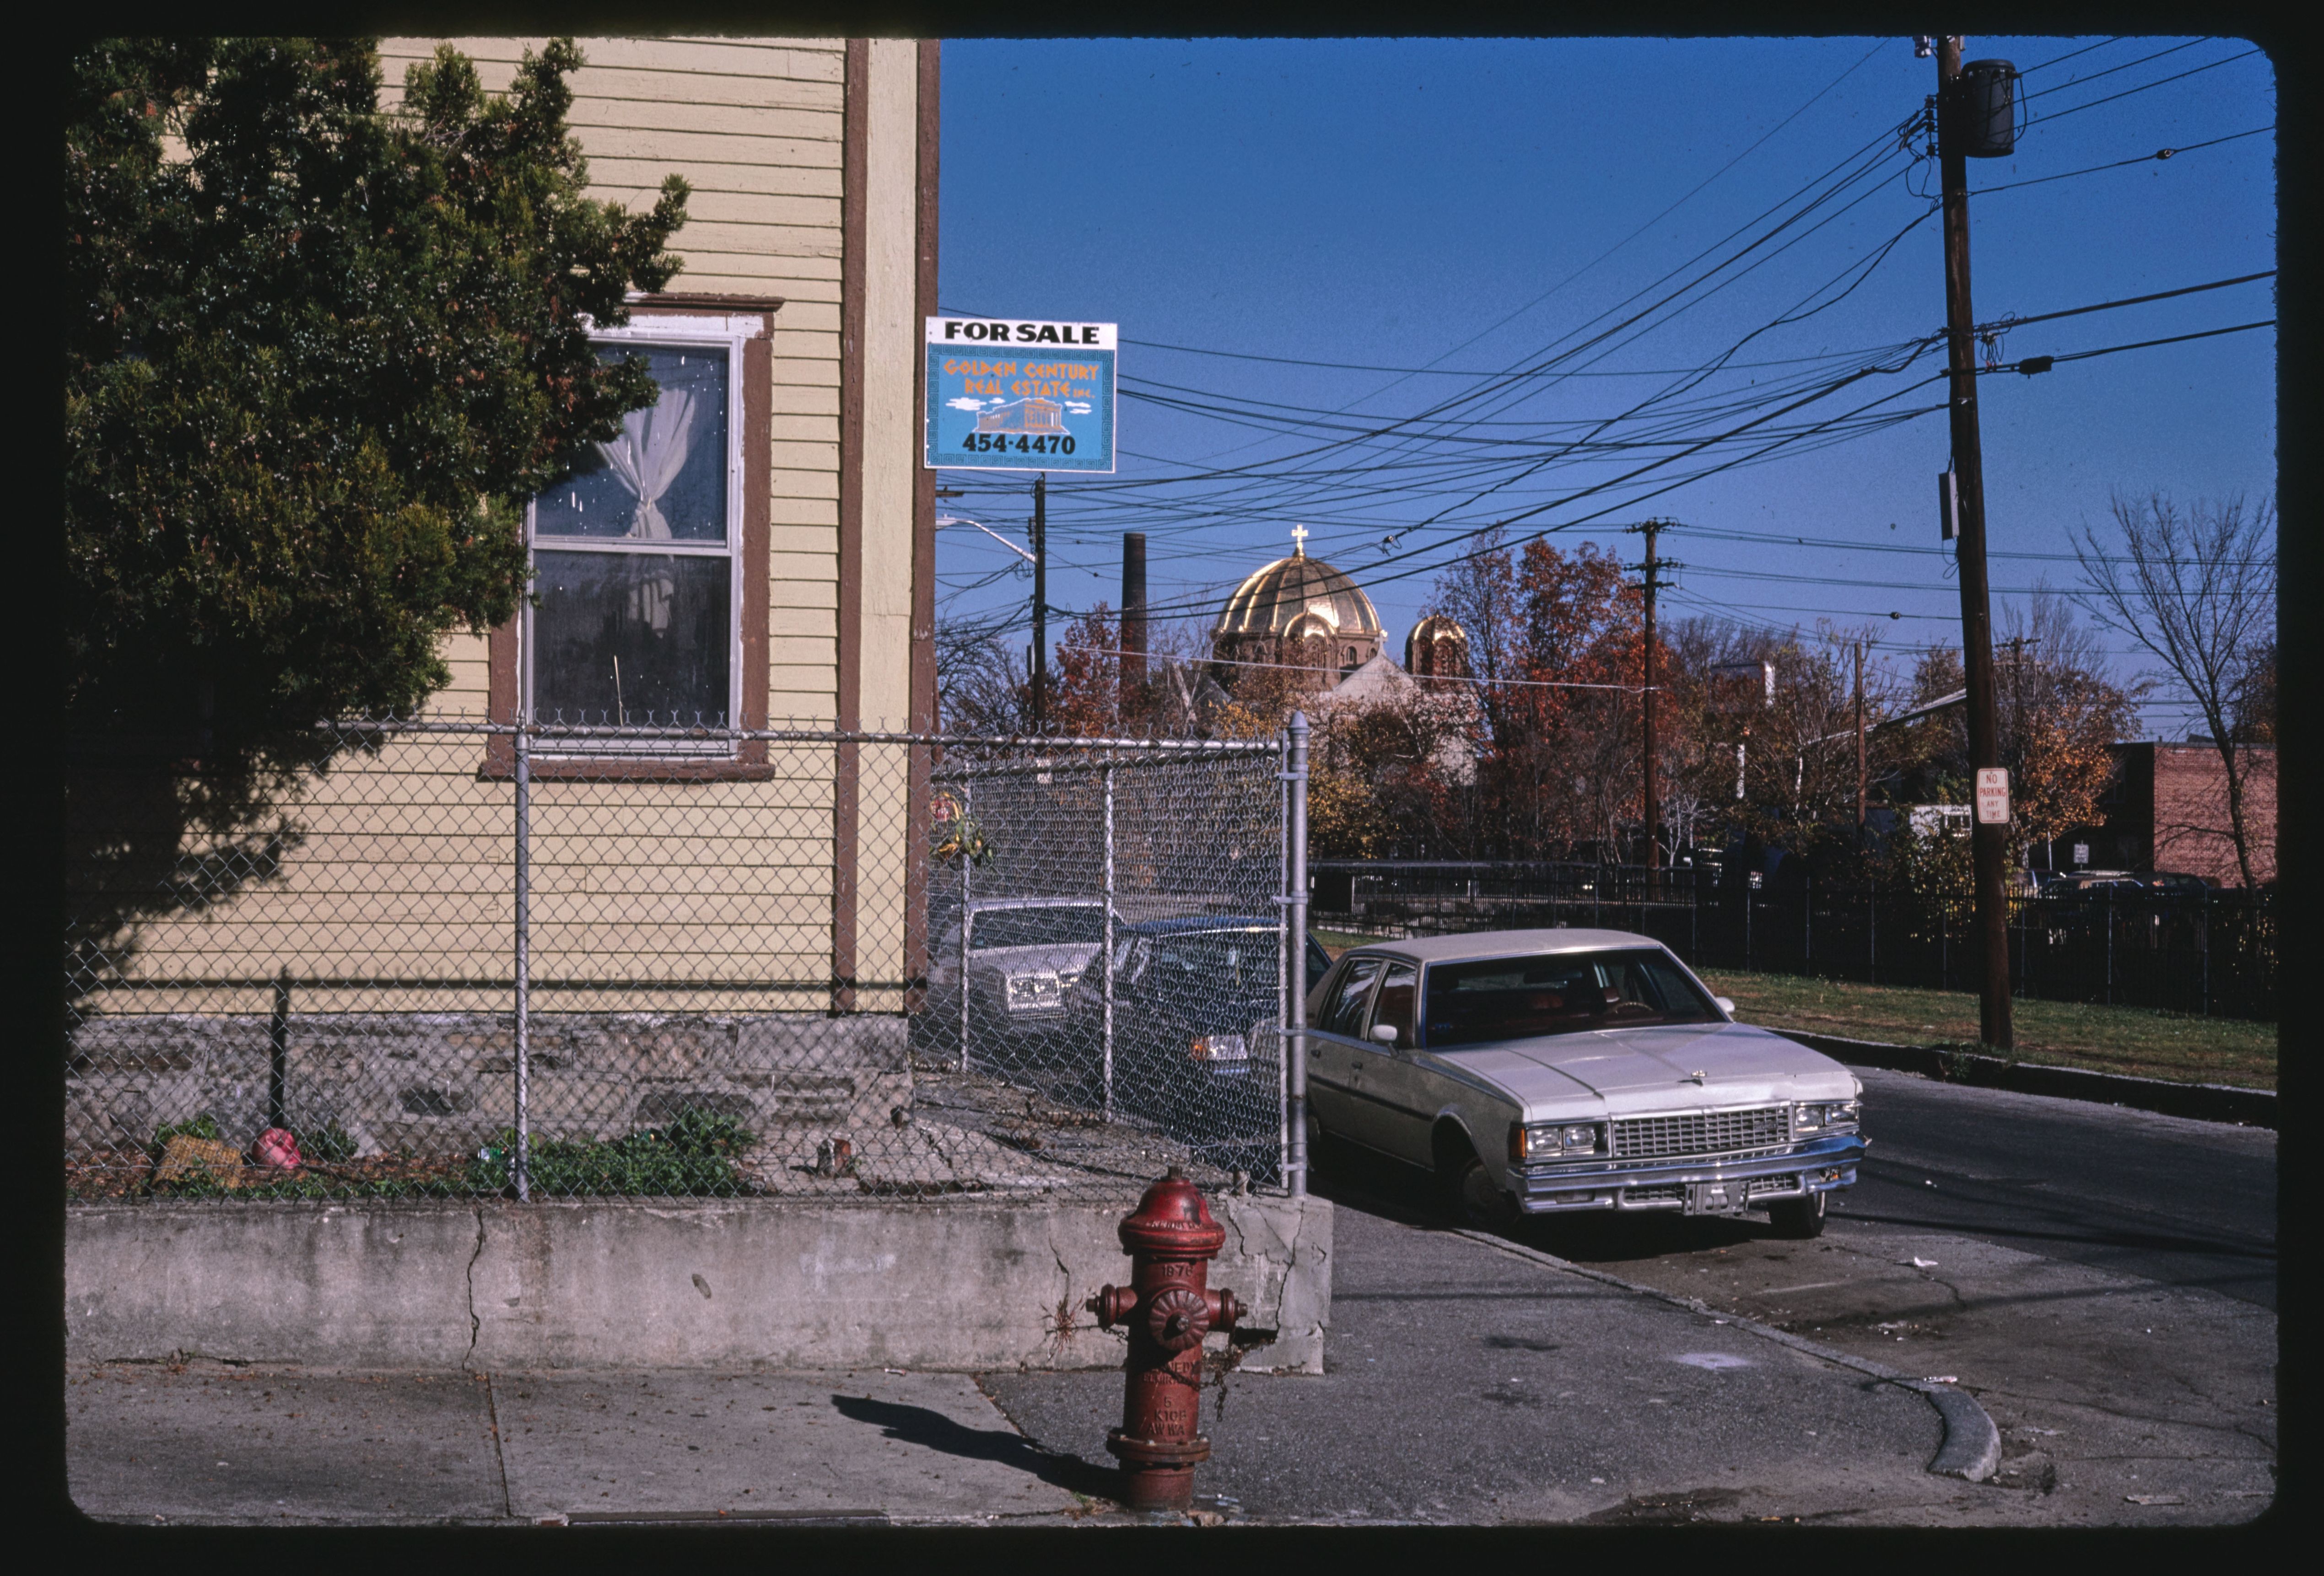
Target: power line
<point>2027,362</point>
<point>2160,153</point>
<point>2070,54</point>
<point>1313,667</point>
<point>2110,70</point>
<point>2126,93</point>
<point>2017,322</point>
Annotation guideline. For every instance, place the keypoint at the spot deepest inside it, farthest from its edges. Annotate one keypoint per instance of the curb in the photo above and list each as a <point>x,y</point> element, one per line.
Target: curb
<point>1971,1448</point>
<point>2214,1103</point>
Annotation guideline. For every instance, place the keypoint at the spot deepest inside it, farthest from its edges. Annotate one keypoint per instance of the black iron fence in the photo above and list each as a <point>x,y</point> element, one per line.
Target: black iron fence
<point>2210,953</point>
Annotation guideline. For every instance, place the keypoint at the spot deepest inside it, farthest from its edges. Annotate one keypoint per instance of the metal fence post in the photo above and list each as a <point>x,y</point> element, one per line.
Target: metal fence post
<point>966,799</point>
<point>1295,1015</point>
<point>1105,958</point>
<point>1283,956</point>
<point>521,1162</point>
<point>1872,935</point>
<point>1807,920</point>
<point>2203,945</point>
<point>2109,944</point>
<point>277,1053</point>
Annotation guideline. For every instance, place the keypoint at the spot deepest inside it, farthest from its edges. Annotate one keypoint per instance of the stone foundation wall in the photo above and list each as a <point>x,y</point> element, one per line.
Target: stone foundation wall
<point>443,1082</point>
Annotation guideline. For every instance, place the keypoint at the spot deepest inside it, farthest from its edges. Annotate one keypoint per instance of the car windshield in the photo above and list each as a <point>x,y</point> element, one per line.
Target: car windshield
<point>1228,959</point>
<point>1505,999</point>
<point>1062,925</point>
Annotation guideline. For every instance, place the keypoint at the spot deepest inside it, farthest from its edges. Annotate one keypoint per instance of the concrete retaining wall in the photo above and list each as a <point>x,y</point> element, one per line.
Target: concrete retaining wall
<point>959,1285</point>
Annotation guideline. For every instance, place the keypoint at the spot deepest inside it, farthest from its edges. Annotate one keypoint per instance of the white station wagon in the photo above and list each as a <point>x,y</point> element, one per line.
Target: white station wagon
<point>1544,1071</point>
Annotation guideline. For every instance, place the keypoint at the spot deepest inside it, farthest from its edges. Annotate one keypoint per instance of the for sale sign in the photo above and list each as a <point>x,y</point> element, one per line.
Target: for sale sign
<point>1010,395</point>
<point>1992,796</point>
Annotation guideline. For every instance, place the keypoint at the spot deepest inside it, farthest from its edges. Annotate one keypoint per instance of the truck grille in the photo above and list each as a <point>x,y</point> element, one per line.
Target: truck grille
<point>1717,1132</point>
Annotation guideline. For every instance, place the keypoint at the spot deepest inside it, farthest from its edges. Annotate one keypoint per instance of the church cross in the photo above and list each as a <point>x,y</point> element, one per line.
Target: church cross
<point>1299,541</point>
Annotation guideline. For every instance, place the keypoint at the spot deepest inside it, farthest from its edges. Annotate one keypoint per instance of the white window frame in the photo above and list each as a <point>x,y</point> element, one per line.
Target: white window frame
<point>718,331</point>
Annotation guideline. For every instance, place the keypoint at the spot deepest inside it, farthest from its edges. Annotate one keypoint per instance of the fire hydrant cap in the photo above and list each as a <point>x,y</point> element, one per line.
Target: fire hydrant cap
<point>1172,1219</point>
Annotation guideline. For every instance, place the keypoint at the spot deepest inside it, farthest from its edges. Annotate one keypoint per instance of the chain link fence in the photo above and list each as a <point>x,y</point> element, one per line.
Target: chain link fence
<point>463,959</point>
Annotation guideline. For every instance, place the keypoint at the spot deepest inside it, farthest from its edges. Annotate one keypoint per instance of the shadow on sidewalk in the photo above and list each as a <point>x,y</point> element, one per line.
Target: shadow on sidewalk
<point>923,1427</point>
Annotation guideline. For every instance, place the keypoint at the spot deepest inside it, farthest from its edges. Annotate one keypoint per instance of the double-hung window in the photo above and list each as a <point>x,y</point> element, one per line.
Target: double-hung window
<point>638,570</point>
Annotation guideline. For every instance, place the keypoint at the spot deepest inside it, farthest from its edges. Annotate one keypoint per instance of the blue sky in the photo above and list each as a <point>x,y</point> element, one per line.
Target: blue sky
<point>1469,208</point>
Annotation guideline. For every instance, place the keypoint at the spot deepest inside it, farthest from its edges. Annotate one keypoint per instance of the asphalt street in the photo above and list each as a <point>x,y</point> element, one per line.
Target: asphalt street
<point>2163,1199</point>
<point>2102,1280</point>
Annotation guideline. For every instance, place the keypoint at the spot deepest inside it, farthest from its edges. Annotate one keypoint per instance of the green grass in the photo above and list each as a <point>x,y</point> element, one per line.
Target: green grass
<point>2107,1039</point>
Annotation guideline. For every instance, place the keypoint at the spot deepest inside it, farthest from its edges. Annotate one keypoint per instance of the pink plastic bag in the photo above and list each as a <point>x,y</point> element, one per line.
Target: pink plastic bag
<point>277,1150</point>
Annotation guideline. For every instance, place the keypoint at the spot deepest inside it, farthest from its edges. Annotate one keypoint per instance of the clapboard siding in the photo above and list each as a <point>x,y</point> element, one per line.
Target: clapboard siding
<point>755,128</point>
<point>609,174</point>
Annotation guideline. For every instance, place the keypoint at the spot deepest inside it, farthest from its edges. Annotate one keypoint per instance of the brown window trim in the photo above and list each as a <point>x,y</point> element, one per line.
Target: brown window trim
<point>749,763</point>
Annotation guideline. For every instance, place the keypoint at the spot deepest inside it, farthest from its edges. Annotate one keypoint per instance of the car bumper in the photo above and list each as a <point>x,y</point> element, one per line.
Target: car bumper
<point>1818,1165</point>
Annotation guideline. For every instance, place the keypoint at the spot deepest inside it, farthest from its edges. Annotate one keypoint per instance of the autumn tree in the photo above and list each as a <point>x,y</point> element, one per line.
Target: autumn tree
<point>1394,775</point>
<point>2057,710</point>
<point>1556,638</point>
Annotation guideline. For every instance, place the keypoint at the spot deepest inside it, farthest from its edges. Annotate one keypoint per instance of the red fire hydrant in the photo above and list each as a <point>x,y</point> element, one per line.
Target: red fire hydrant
<point>1171,1239</point>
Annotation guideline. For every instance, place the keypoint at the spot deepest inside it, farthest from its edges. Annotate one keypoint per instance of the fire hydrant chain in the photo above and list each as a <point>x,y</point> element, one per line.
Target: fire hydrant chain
<point>1171,1238</point>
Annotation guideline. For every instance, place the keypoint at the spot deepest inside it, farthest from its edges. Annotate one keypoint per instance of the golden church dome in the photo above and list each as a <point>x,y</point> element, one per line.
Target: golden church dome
<point>1296,597</point>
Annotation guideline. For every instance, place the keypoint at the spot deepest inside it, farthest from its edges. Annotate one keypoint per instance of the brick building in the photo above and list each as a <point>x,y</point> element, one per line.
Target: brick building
<point>2167,810</point>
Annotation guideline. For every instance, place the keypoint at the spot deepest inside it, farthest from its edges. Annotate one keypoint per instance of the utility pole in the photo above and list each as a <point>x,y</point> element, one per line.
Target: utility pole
<point>1040,603</point>
<point>1860,775</point>
<point>1652,804</point>
<point>1989,843</point>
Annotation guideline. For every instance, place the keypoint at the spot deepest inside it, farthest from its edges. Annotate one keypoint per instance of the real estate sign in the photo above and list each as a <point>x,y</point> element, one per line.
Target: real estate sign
<point>1010,395</point>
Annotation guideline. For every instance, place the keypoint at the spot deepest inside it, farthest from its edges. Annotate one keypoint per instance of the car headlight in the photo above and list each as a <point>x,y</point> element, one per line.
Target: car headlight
<point>1220,1047</point>
<point>1825,1116</point>
<point>1029,992</point>
<point>1555,1140</point>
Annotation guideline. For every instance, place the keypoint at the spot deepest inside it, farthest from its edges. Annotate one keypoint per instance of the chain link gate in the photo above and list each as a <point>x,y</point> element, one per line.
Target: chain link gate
<point>466,959</point>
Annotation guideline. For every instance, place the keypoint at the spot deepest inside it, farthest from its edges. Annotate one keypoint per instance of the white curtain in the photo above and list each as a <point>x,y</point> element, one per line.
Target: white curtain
<point>646,459</point>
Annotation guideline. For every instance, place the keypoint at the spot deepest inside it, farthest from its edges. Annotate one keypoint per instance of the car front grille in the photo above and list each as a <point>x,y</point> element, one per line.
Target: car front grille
<point>1661,1192</point>
<point>1716,1132</point>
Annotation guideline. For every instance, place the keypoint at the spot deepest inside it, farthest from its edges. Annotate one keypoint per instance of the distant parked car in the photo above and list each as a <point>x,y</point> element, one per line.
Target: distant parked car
<point>2175,882</point>
<point>2083,881</point>
<point>1557,1071</point>
<point>1023,954</point>
<point>1195,1009</point>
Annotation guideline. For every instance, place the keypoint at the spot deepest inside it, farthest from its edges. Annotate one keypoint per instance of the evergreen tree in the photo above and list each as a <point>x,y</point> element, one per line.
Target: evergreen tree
<point>318,357</point>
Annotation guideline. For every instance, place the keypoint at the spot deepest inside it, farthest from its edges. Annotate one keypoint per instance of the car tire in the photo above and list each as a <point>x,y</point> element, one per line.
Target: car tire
<point>1797,1219</point>
<point>1480,1200</point>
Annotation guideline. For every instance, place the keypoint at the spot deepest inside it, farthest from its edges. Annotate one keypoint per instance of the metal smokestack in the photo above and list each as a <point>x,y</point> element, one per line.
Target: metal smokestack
<point>1133,614</point>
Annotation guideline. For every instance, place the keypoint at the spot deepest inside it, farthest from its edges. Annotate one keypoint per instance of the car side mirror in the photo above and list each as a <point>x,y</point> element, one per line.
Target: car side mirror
<point>1725,1004</point>
<point>1385,1032</point>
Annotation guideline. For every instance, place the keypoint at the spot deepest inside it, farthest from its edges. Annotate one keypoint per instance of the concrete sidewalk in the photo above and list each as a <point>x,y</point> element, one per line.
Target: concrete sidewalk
<point>1464,1385</point>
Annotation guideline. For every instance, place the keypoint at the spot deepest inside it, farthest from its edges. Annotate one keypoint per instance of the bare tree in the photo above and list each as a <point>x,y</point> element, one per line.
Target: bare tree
<point>2196,589</point>
<point>980,681</point>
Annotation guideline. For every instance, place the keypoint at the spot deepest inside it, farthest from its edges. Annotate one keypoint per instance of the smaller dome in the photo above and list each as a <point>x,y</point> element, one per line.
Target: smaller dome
<point>1437,647</point>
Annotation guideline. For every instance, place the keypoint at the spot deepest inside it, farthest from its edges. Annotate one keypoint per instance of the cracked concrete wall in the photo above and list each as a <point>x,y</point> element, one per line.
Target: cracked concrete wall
<point>737,1283</point>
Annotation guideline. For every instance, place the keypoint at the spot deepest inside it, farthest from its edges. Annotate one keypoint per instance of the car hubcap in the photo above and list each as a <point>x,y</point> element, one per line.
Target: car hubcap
<point>1482,1200</point>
